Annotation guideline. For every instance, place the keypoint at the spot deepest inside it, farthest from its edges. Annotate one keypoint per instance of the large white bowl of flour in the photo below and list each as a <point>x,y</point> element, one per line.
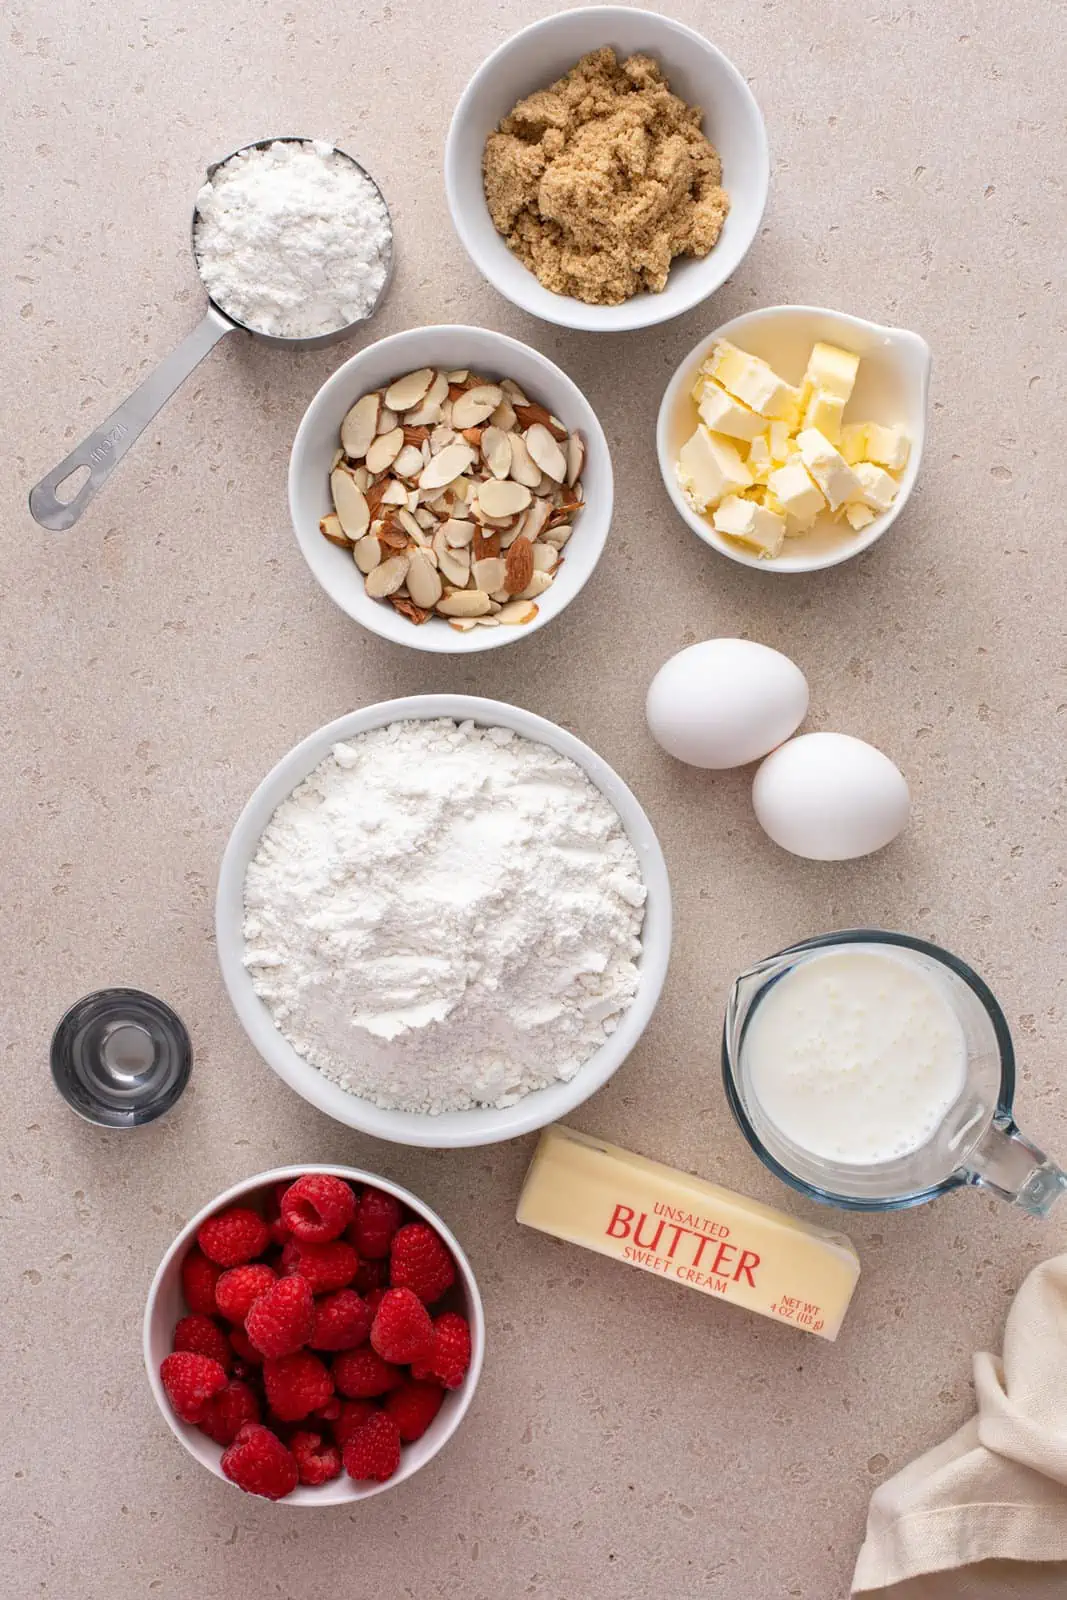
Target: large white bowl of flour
<point>361,865</point>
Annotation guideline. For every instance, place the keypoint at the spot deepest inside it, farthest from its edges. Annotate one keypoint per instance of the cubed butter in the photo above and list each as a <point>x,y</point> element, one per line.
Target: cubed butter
<point>665,1222</point>
<point>799,496</point>
<point>877,489</point>
<point>831,369</point>
<point>709,468</point>
<point>751,522</point>
<point>858,516</point>
<point>759,459</point>
<point>828,467</point>
<point>750,379</point>
<point>853,444</point>
<point>721,413</point>
<point>780,442</point>
<point>888,447</point>
<point>824,411</point>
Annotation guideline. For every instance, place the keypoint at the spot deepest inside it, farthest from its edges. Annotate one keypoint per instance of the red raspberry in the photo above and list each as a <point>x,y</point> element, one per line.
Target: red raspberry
<point>419,1261</point>
<point>372,1454</point>
<point>378,1216</point>
<point>279,1233</point>
<point>244,1349</point>
<point>325,1266</point>
<point>296,1385</point>
<point>317,1207</point>
<point>205,1338</point>
<point>451,1353</point>
<point>199,1277</point>
<point>279,1322</point>
<point>413,1408</point>
<point>353,1414</point>
<point>228,1411</point>
<point>342,1321</point>
<point>371,1275</point>
<point>362,1374</point>
<point>374,1300</point>
<point>402,1330</point>
<point>329,1412</point>
<point>317,1461</point>
<point>237,1288</point>
<point>234,1236</point>
<point>190,1380</point>
<point>259,1463</point>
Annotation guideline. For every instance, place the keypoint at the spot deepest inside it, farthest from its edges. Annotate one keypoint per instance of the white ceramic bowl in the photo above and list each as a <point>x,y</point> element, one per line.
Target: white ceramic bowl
<point>697,71</point>
<point>317,440</point>
<point>165,1305</point>
<point>892,386</point>
<point>483,1125</point>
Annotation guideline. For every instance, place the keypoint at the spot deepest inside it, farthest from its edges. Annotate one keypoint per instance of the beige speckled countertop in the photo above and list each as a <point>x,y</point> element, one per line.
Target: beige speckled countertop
<point>628,1439</point>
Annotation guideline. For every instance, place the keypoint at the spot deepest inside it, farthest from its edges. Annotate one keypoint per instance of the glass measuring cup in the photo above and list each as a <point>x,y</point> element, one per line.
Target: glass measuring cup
<point>977,1141</point>
<point>106,445</point>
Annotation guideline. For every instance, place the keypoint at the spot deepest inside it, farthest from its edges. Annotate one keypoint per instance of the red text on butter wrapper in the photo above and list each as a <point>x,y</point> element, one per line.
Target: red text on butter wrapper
<point>657,1244</point>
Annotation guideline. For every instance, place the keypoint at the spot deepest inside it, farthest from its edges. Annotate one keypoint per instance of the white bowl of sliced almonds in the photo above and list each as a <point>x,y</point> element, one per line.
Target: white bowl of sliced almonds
<point>451,489</point>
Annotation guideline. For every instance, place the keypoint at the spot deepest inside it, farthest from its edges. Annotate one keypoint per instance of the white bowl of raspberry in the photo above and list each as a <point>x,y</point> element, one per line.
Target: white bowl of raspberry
<point>314,1335</point>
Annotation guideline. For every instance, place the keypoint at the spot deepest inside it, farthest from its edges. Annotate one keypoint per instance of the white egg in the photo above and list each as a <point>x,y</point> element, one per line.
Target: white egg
<point>830,797</point>
<point>725,702</point>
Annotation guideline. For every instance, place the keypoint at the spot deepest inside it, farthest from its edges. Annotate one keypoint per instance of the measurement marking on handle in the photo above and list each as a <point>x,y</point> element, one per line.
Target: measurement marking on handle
<point>101,451</point>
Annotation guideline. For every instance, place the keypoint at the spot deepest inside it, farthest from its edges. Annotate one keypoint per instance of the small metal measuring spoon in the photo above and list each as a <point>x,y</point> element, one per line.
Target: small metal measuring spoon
<point>105,447</point>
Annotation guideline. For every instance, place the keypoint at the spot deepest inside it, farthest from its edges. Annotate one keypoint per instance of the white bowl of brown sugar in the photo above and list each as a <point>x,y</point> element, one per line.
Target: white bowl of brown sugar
<point>607,169</point>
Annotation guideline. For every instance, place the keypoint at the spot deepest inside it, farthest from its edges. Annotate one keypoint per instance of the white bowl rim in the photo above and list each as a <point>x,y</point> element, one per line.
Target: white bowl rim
<point>902,338</point>
<point>649,310</point>
<point>480,1125</point>
<point>594,526</point>
<point>305,1495</point>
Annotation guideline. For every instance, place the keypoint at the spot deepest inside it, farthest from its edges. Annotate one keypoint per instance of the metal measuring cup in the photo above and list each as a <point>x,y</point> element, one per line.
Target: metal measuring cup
<point>106,445</point>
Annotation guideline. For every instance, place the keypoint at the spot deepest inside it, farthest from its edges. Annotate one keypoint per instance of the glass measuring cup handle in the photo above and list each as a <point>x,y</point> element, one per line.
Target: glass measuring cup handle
<point>105,447</point>
<point>1006,1163</point>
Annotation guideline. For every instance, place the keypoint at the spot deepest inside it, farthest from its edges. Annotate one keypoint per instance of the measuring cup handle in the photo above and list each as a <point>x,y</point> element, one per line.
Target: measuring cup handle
<point>105,447</point>
<point>1010,1166</point>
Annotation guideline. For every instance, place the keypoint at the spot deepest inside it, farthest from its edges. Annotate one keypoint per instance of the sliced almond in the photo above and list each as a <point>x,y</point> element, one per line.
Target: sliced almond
<point>475,405</point>
<point>428,410</point>
<point>386,419</point>
<point>504,415</point>
<point>473,436</point>
<point>487,622</point>
<point>534,415</point>
<point>463,624</point>
<point>441,436</point>
<point>350,503</point>
<point>394,494</point>
<point>338,457</point>
<point>424,583</point>
<point>457,533</point>
<point>485,545</point>
<point>575,457</point>
<point>455,565</point>
<point>409,462</point>
<point>465,603</point>
<point>459,377</point>
<point>448,464</point>
<point>330,528</point>
<point>392,537</point>
<point>513,392</point>
<point>558,536</point>
<point>496,451</point>
<point>409,524</point>
<point>425,519</point>
<point>488,574</point>
<point>545,451</point>
<point>545,557</point>
<point>359,426</point>
<point>386,579</point>
<point>536,586</point>
<point>517,613</point>
<point>409,390</point>
<point>407,608</point>
<point>385,449</point>
<point>503,498</point>
<point>509,535</point>
<point>520,565</point>
<point>524,468</point>
<point>536,519</point>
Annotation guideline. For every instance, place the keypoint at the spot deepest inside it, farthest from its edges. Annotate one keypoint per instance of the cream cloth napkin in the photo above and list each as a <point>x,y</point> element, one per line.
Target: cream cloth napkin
<point>996,1492</point>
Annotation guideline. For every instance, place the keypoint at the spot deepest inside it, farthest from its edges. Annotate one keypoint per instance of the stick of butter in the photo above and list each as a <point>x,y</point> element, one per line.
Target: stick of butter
<point>621,1205</point>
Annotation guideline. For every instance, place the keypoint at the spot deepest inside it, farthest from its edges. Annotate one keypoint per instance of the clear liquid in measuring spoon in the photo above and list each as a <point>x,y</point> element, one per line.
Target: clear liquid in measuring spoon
<point>856,1056</point>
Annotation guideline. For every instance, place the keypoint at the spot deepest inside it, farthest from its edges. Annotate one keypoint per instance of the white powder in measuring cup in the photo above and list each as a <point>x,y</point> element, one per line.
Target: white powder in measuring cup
<point>443,916</point>
<point>292,240</point>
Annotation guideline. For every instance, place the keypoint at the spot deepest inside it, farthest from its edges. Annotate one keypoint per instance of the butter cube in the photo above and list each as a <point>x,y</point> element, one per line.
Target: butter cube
<point>754,524</point>
<point>708,468</point>
<point>858,516</point>
<point>799,497</point>
<point>759,460</point>
<point>824,411</point>
<point>780,442</point>
<point>853,443</point>
<point>721,413</point>
<point>688,1231</point>
<point>831,471</point>
<point>877,489</point>
<point>832,369</point>
<point>889,447</point>
<point>750,379</point>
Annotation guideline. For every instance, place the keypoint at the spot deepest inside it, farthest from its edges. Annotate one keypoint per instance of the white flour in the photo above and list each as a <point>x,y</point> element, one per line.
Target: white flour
<point>444,916</point>
<point>292,239</point>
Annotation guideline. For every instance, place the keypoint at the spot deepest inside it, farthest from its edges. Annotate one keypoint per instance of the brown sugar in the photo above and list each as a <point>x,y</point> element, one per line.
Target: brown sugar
<point>600,180</point>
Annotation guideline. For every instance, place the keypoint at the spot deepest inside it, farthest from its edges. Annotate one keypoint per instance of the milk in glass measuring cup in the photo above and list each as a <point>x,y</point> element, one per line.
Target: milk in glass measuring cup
<point>873,1070</point>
